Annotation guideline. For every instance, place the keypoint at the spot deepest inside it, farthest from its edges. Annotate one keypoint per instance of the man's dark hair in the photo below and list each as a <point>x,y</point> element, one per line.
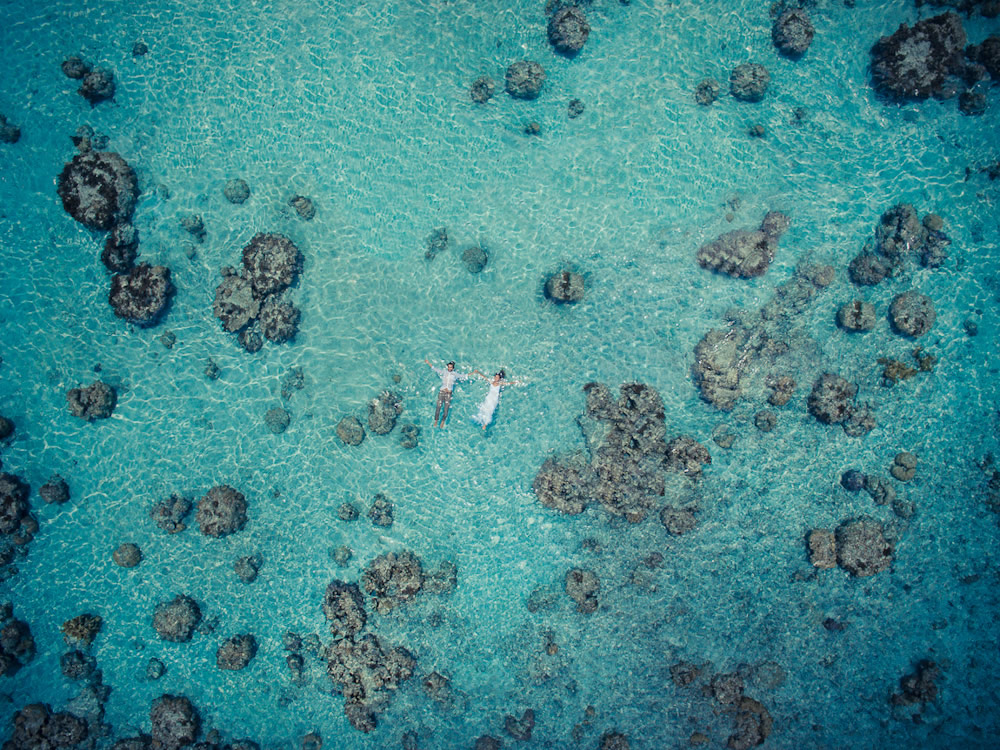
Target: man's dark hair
<point>452,364</point>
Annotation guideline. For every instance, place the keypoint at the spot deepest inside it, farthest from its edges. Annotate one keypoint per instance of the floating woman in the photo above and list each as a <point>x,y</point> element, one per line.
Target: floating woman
<point>484,416</point>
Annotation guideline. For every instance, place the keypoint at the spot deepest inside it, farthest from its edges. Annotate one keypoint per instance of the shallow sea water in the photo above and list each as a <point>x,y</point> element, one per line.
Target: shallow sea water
<point>364,108</point>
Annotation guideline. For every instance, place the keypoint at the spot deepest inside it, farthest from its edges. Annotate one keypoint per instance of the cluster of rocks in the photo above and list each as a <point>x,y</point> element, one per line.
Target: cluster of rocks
<point>99,189</point>
<point>745,253</point>
<point>895,370</point>
<point>97,84</point>
<point>38,726</point>
<point>859,546</point>
<point>900,235</point>
<point>931,59</point>
<point>568,30</point>
<point>473,257</point>
<point>628,456</point>
<point>748,82</point>
<point>832,401</point>
<point>79,665</point>
<point>916,690</point>
<point>17,526</point>
<point>383,412</point>
<point>880,489</point>
<point>170,514</point>
<point>94,401</point>
<point>752,722</point>
<point>726,358</point>
<point>298,648</point>
<point>393,580</point>
<point>17,646</point>
<point>362,666</point>
<point>251,303</point>
<point>9,132</point>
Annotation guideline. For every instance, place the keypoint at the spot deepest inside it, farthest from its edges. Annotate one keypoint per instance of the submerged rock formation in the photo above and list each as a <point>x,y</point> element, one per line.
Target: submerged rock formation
<point>565,287</point>
<point>744,253</point>
<point>271,264</point>
<point>568,30</point>
<point>393,579</point>
<point>915,62</point>
<point>175,722</point>
<point>582,586</point>
<point>862,548</point>
<point>141,295</point>
<point>792,32</point>
<point>628,456</point>
<point>748,82</point>
<point>177,619</point>
<point>17,646</point>
<point>363,671</point>
<point>725,358</point>
<point>524,79</point>
<point>236,653</point>
<point>98,189</point>
<point>37,726</point>
<point>95,401</point>
<point>171,513</point>
<point>344,607</point>
<point>222,511</point>
<point>383,412</point>
<point>912,313</point>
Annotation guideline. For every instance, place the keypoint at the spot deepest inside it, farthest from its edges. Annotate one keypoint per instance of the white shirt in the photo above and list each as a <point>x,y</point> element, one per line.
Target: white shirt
<point>449,377</point>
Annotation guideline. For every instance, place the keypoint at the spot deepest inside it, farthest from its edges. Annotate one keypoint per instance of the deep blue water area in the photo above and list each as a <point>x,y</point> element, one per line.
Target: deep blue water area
<point>364,108</point>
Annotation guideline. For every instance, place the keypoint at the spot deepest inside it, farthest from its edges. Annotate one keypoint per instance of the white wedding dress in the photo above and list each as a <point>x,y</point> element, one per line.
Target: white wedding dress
<point>489,405</point>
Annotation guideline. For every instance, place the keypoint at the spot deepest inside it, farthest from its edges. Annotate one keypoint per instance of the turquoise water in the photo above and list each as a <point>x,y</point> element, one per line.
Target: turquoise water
<point>364,108</point>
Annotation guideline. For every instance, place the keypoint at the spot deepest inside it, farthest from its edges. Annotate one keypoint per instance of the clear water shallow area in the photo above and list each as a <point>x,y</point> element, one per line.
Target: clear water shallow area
<point>364,107</point>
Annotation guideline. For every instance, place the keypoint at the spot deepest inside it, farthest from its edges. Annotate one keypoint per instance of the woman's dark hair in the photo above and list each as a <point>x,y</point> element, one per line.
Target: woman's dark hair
<point>502,374</point>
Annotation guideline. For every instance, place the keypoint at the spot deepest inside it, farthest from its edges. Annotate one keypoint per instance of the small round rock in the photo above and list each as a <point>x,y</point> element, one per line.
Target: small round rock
<point>707,92</point>
<point>474,258</point>
<point>127,555</point>
<point>277,420</point>
<point>155,669</point>
<point>482,90</point>
<point>236,191</point>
